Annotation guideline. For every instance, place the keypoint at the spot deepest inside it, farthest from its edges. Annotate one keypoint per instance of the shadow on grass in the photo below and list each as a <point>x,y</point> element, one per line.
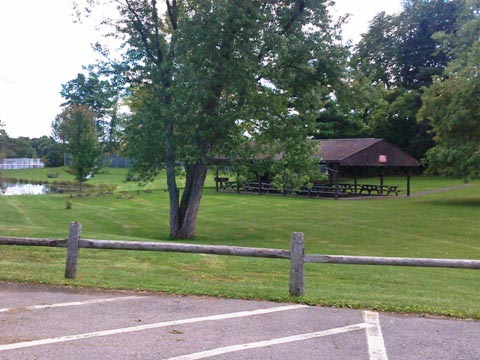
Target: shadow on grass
<point>472,203</point>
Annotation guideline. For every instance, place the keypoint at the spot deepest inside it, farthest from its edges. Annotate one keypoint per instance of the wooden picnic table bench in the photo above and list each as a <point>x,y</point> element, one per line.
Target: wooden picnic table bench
<point>228,185</point>
<point>379,189</point>
<point>369,189</point>
<point>255,186</point>
<point>392,189</point>
<point>221,179</point>
<point>347,188</point>
<point>318,189</point>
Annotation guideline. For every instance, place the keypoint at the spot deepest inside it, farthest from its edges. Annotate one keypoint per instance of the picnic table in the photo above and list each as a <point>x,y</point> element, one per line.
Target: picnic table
<point>260,187</point>
<point>228,185</point>
<point>379,189</point>
<point>317,189</point>
<point>322,189</point>
<point>346,188</point>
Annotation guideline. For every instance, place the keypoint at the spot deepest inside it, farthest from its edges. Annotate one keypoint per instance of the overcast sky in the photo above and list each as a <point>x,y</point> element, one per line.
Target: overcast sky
<point>41,48</point>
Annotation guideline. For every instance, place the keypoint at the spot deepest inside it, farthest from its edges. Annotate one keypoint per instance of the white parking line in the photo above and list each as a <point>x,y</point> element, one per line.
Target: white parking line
<point>148,327</point>
<point>376,345</point>
<point>75,303</point>
<point>260,344</point>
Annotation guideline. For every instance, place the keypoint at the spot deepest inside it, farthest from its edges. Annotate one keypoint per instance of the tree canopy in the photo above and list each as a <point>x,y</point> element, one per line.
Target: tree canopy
<point>402,53</point>
<point>452,106</point>
<point>102,98</point>
<point>3,138</point>
<point>209,77</point>
<point>75,128</point>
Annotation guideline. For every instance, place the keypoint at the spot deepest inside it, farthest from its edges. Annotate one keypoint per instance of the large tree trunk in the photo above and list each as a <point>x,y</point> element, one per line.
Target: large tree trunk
<point>174,197</point>
<point>183,215</point>
<point>173,191</point>
<point>186,216</point>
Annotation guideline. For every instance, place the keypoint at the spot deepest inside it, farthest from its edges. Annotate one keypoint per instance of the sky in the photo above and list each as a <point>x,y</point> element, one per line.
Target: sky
<point>41,48</point>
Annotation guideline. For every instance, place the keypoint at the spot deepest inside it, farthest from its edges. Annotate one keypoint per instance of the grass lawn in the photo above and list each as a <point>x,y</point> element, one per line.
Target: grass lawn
<point>438,225</point>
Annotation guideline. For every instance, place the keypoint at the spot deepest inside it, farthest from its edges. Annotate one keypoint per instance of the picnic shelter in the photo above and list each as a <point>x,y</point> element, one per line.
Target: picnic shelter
<point>343,156</point>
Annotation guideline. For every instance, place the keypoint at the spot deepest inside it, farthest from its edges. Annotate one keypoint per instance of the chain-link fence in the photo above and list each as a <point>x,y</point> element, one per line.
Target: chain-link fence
<point>110,161</point>
<point>21,163</point>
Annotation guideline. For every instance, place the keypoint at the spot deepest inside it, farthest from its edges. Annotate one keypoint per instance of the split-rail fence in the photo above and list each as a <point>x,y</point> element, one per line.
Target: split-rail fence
<point>296,254</point>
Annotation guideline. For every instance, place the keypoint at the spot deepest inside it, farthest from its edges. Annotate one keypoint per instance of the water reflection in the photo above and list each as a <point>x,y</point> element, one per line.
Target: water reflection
<point>9,189</point>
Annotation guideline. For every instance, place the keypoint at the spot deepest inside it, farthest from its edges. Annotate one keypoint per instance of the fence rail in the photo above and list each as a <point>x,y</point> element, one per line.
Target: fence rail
<point>393,261</point>
<point>296,254</point>
<point>32,242</point>
<point>184,248</point>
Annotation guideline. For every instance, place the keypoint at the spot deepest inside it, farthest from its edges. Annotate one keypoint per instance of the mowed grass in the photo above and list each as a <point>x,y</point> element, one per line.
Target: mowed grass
<point>437,225</point>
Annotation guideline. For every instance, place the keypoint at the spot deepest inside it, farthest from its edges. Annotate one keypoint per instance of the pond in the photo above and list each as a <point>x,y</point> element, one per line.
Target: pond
<point>11,188</point>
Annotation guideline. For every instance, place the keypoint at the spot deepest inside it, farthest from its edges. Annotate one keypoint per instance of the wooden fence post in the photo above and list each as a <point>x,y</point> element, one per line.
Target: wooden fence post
<point>72,250</point>
<point>297,268</point>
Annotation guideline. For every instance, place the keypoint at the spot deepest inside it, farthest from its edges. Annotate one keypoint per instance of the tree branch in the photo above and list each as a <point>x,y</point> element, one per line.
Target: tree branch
<point>172,9</point>
<point>141,29</point>
<point>299,9</point>
<point>157,34</point>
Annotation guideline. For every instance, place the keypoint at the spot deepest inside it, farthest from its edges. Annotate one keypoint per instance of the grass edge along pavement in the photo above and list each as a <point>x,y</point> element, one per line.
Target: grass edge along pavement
<point>438,225</point>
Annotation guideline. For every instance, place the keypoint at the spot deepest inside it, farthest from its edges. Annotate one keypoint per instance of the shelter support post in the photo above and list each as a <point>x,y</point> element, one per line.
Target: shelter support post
<point>259,184</point>
<point>336,179</point>
<point>407,172</point>
<point>355,180</point>
<point>238,182</point>
<point>382,179</point>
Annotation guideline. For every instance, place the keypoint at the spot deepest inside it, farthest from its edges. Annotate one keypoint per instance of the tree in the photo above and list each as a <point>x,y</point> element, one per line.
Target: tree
<point>20,147</point>
<point>3,140</point>
<point>418,56</point>
<point>101,97</point>
<point>212,76</point>
<point>400,50</point>
<point>452,107</point>
<point>48,150</point>
<point>376,56</point>
<point>75,127</point>
<point>401,53</point>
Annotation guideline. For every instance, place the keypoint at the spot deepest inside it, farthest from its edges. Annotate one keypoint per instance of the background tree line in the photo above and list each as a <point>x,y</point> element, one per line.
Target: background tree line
<point>45,148</point>
<point>384,78</point>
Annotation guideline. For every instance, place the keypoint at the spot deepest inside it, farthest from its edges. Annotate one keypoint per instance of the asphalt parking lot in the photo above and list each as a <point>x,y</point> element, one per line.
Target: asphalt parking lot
<point>39,322</point>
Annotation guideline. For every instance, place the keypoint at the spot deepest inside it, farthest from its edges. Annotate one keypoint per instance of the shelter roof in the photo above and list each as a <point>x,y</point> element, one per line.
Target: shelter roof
<point>363,152</point>
<point>352,152</point>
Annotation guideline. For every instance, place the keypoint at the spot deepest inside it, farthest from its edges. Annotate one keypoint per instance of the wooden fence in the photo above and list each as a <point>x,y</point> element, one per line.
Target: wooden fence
<point>296,254</point>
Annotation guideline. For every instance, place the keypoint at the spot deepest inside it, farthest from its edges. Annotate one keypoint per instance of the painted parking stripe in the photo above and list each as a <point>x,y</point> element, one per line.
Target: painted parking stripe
<point>74,303</point>
<point>260,344</point>
<point>376,345</point>
<point>148,327</point>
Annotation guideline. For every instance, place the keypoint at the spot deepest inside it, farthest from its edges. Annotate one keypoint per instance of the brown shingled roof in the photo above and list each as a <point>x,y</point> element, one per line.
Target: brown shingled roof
<point>355,152</point>
<point>363,152</point>
<point>339,149</point>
